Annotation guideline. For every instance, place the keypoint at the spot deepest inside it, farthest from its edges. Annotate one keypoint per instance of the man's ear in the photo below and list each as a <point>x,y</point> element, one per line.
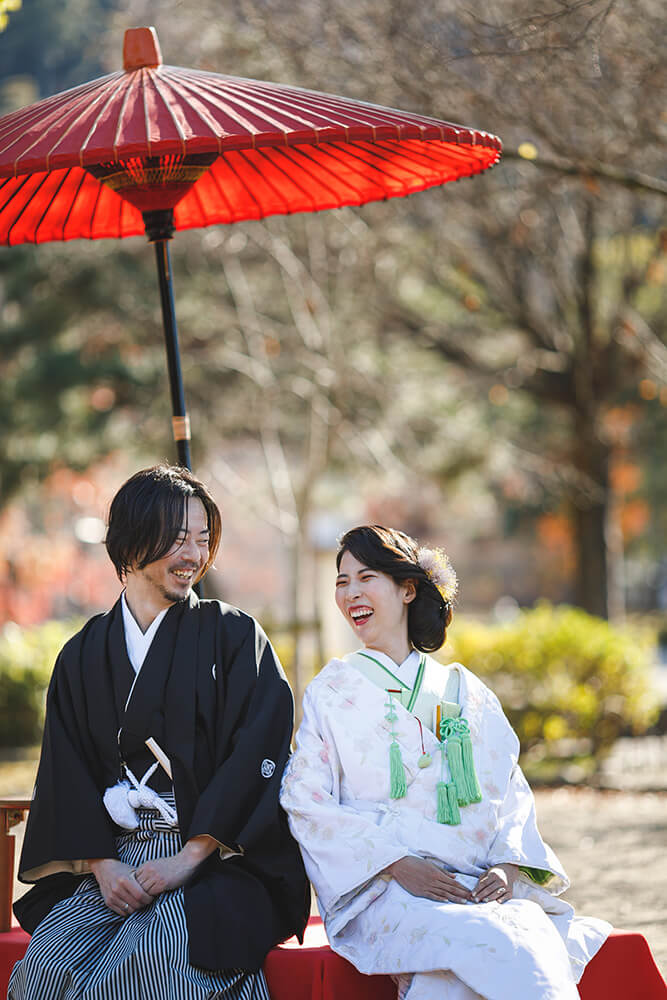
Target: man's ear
<point>410,591</point>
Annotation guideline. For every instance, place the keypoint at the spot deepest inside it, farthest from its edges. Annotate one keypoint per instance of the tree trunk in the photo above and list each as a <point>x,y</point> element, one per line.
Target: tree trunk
<point>590,518</point>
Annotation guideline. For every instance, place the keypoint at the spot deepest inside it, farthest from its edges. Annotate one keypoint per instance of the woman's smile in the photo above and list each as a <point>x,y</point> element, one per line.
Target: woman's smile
<point>360,614</point>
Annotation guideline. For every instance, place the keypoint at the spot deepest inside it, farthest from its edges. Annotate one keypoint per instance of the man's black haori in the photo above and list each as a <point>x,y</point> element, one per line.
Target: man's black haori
<point>213,695</point>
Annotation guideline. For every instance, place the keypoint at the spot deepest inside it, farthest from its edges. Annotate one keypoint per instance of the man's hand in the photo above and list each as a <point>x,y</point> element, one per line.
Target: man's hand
<point>120,890</point>
<point>496,885</point>
<point>164,874</point>
<point>422,878</point>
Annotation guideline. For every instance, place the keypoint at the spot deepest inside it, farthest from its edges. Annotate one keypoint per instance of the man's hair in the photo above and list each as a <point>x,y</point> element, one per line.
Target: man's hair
<point>146,516</point>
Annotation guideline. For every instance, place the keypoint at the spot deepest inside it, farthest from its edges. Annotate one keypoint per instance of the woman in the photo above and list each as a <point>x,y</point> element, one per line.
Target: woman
<point>424,853</point>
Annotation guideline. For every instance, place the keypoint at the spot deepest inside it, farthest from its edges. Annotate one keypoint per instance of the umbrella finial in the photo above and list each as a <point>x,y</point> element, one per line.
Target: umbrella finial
<point>141,48</point>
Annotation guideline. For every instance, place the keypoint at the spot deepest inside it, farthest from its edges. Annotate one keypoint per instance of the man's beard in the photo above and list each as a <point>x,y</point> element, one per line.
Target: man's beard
<point>176,598</point>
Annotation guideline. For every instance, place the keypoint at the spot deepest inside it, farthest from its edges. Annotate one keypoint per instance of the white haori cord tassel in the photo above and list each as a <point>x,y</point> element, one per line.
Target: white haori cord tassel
<point>121,800</point>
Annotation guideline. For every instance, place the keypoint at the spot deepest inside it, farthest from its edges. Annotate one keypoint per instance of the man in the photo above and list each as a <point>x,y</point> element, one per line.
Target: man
<point>161,859</point>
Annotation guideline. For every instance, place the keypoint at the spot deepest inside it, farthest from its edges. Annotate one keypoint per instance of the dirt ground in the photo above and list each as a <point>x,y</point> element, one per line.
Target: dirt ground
<point>613,845</point>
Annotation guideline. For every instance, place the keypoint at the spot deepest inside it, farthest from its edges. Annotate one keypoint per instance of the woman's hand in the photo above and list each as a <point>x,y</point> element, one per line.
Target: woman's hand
<point>120,890</point>
<point>422,878</point>
<point>496,885</point>
<point>164,874</point>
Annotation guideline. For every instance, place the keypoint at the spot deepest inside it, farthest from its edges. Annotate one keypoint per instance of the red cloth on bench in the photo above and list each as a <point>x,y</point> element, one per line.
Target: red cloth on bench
<point>13,944</point>
<point>623,969</point>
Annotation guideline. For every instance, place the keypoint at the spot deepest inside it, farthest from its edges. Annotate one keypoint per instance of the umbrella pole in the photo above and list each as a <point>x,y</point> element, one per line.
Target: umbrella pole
<point>159,230</point>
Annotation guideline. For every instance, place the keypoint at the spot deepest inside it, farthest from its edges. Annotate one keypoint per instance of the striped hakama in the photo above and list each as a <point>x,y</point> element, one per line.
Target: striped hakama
<point>82,949</point>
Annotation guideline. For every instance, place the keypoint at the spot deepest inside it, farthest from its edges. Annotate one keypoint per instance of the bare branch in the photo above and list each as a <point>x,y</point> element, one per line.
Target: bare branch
<point>631,179</point>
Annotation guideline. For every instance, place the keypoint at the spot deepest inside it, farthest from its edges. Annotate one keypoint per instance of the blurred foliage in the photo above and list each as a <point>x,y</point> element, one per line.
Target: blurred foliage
<point>27,657</point>
<point>569,683</point>
<point>58,44</point>
<point>5,7</point>
<point>69,367</point>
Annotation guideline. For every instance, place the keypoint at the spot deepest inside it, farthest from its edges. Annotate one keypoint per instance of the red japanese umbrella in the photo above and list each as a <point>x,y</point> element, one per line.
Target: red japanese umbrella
<point>156,148</point>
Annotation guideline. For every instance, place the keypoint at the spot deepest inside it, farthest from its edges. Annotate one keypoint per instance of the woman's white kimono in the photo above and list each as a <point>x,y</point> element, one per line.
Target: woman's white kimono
<point>336,794</point>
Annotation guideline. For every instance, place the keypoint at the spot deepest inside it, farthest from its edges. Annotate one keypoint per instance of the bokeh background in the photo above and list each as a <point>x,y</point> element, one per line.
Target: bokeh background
<point>482,365</point>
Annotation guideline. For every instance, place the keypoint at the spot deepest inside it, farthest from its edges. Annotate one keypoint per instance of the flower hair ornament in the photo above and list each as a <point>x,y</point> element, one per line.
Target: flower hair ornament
<point>440,572</point>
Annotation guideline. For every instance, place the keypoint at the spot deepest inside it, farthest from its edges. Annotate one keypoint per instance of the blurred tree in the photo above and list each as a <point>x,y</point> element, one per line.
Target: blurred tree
<point>548,280</point>
<point>5,7</point>
<point>71,379</point>
<point>58,44</point>
<point>516,311</point>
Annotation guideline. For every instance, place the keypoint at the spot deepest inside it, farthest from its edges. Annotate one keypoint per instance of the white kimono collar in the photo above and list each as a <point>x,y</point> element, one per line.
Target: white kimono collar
<point>405,671</point>
<point>138,642</point>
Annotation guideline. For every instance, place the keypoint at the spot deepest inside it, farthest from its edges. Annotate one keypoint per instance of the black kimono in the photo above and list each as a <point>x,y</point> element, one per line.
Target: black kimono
<point>213,695</point>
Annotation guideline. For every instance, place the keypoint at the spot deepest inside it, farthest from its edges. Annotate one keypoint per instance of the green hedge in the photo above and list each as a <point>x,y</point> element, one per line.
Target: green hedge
<point>570,683</point>
<point>27,656</point>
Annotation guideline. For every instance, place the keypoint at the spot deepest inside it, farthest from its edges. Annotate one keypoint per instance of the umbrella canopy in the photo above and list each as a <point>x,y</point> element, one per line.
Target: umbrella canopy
<point>156,148</point>
<point>217,149</point>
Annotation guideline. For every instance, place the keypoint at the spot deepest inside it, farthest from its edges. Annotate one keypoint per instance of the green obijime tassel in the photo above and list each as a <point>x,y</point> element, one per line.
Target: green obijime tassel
<point>397,783</point>
<point>455,761</point>
<point>473,790</point>
<point>456,732</point>
<point>398,786</point>
<point>448,807</point>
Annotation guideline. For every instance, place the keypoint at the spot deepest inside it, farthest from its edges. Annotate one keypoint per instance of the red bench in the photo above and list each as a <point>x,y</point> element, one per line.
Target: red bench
<point>623,969</point>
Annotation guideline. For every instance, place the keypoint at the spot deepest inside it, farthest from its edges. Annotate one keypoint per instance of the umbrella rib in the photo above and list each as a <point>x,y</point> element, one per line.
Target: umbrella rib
<point>194,193</point>
<point>147,123</point>
<point>299,152</point>
<point>293,180</point>
<point>12,194</point>
<point>98,196</point>
<point>425,153</point>
<point>250,193</point>
<point>16,220</point>
<point>399,121</point>
<point>266,180</point>
<point>40,138</point>
<point>344,106</point>
<point>75,121</point>
<point>273,104</point>
<point>54,195</point>
<point>157,83</point>
<point>22,119</point>
<point>82,180</point>
<point>388,155</point>
<point>277,104</point>
<point>223,194</point>
<point>328,150</point>
<point>258,107</point>
<point>112,97</point>
<point>305,98</point>
<point>214,98</point>
<point>119,122</point>
<point>204,115</point>
<point>375,151</point>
